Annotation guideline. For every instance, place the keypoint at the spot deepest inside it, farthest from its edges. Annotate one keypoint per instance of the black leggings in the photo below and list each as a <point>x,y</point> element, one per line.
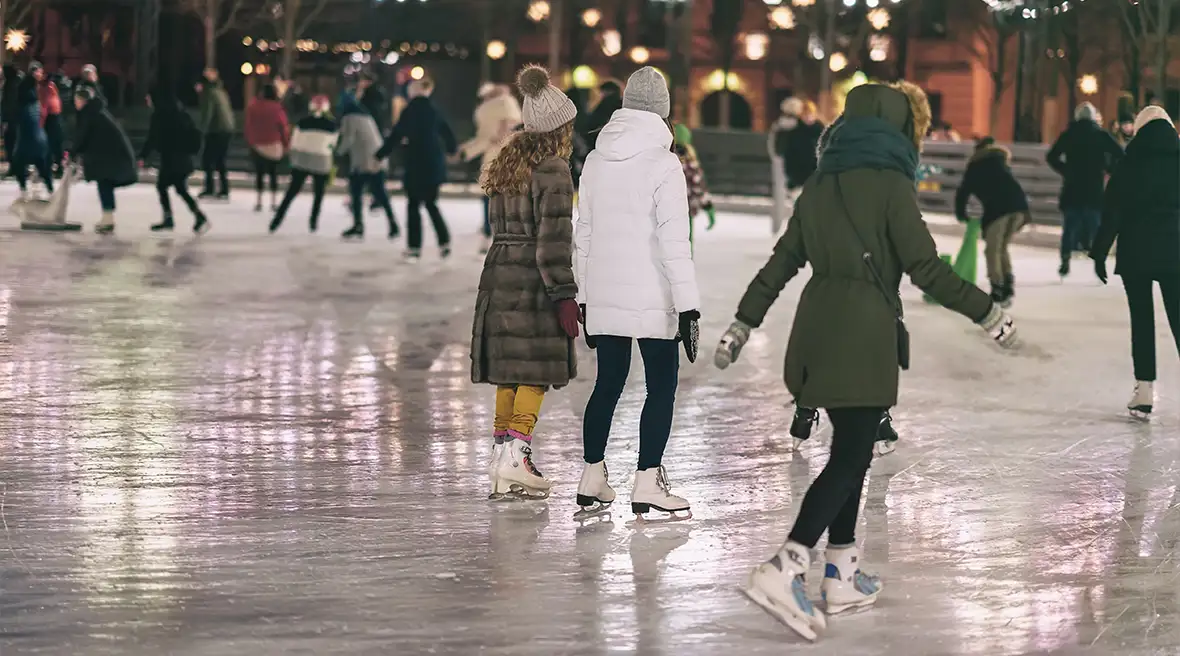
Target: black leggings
<point>213,160</point>
<point>661,364</point>
<point>418,196</point>
<point>265,167</point>
<point>162,187</point>
<point>833,500</point>
<point>319,184</point>
<point>1141,303</point>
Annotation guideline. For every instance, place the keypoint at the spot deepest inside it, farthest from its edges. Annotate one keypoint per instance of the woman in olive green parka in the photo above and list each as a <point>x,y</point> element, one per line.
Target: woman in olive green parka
<point>843,351</point>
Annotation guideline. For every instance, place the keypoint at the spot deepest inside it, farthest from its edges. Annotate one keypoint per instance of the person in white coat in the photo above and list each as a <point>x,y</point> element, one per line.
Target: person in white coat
<point>496,118</point>
<point>636,281</point>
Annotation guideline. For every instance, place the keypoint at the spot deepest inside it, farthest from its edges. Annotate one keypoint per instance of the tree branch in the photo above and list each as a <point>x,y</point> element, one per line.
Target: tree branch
<point>308,20</point>
<point>231,19</point>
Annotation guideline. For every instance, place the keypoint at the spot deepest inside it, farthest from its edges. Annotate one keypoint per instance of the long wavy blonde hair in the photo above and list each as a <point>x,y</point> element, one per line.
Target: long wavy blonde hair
<point>512,170</point>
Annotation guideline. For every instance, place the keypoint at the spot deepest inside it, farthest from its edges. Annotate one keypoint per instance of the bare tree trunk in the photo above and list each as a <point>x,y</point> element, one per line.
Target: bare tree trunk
<point>1161,50</point>
<point>826,109</point>
<point>556,21</point>
<point>290,16</point>
<point>210,20</point>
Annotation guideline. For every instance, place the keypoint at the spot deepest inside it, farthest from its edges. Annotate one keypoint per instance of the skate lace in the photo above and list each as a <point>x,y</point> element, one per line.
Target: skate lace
<point>526,457</point>
<point>662,480</point>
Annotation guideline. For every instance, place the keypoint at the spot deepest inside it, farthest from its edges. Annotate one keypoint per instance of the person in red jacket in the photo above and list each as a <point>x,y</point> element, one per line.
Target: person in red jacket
<point>268,134</point>
<point>50,101</point>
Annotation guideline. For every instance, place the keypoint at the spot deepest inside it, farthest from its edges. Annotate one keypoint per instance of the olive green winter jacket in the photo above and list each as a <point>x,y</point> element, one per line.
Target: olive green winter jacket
<point>217,116</point>
<point>843,345</point>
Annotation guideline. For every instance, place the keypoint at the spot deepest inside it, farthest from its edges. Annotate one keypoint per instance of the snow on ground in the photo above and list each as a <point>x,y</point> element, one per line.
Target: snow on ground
<point>269,444</point>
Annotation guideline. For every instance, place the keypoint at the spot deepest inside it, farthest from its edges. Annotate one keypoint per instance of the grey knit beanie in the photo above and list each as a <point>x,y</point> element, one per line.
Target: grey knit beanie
<point>545,107</point>
<point>647,91</point>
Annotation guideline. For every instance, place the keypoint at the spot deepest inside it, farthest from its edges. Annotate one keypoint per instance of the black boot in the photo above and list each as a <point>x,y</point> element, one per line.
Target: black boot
<point>1063,270</point>
<point>164,225</point>
<point>999,294</point>
<point>201,225</point>
<point>886,435</point>
<point>357,231</point>
<point>394,231</point>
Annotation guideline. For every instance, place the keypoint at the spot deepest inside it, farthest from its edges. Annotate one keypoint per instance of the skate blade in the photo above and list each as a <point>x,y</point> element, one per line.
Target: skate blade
<point>796,624</point>
<point>672,516</point>
<point>591,512</point>
<point>1139,415</point>
<point>519,492</point>
<point>852,608</point>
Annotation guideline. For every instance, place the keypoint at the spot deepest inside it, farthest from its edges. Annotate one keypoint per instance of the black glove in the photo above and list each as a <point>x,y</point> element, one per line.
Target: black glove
<point>690,333</point>
<point>591,341</point>
<point>1100,270</point>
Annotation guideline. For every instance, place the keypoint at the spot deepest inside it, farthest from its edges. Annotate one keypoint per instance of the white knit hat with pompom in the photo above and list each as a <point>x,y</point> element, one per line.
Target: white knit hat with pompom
<point>545,107</point>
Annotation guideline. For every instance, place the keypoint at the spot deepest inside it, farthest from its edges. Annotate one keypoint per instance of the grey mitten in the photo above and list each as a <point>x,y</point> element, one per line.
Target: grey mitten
<point>731,344</point>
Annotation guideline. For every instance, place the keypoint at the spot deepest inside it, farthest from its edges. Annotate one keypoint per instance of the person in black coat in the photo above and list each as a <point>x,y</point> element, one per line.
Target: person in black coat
<point>1082,155</point>
<point>428,141</point>
<point>374,100</point>
<point>9,111</point>
<point>32,144</point>
<point>796,139</point>
<point>174,135</point>
<point>610,102</point>
<point>1005,211</point>
<point>1142,209</point>
<point>107,157</point>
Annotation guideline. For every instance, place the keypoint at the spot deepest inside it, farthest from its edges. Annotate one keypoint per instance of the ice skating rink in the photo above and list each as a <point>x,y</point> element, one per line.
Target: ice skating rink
<point>259,445</point>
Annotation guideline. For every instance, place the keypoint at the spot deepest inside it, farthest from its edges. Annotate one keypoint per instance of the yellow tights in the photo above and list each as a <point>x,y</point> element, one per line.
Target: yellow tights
<point>517,409</point>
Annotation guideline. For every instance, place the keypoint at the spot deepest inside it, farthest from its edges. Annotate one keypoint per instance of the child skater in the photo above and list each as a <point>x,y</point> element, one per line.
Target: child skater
<point>526,317</point>
<point>698,193</point>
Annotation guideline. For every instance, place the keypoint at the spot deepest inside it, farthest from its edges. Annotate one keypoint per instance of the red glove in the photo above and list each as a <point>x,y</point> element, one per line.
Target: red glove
<point>567,316</point>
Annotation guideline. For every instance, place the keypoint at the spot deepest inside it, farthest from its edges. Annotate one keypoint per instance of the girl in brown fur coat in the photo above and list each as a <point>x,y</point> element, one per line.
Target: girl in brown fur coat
<point>525,314</point>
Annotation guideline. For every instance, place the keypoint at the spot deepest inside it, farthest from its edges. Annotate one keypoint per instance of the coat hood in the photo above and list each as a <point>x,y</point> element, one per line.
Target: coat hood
<point>631,132</point>
<point>1156,137</point>
<point>886,103</point>
<point>991,150</point>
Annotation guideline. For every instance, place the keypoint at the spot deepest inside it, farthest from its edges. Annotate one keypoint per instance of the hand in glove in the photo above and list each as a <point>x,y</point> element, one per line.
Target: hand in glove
<point>712,214</point>
<point>1000,326</point>
<point>590,341</point>
<point>690,333</point>
<point>731,344</point>
<point>567,315</point>
<point>1100,270</point>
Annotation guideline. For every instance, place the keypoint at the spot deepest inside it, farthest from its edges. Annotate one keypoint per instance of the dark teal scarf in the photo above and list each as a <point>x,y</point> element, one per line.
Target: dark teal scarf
<point>867,143</point>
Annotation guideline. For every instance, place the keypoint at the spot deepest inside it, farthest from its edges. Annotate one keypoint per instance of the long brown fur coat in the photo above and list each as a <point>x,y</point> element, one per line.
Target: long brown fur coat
<point>516,338</point>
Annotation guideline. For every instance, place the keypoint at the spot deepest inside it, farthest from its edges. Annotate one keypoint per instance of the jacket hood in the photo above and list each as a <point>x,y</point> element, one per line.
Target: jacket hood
<point>631,132</point>
<point>885,103</point>
<point>1157,137</point>
<point>991,151</point>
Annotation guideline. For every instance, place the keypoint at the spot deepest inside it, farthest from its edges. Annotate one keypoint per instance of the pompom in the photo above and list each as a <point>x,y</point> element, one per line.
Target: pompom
<point>532,80</point>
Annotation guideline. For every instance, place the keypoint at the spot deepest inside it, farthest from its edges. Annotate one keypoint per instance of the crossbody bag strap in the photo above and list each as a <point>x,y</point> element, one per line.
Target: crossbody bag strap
<point>892,299</point>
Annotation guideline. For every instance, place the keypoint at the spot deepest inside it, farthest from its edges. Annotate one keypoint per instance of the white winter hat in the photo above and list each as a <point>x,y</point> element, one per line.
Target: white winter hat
<point>545,107</point>
<point>792,106</point>
<point>647,91</point>
<point>1149,114</point>
<point>1086,112</point>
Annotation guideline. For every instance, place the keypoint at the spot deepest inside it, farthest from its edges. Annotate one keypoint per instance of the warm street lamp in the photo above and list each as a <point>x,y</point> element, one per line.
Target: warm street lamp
<point>757,44</point>
<point>640,55</point>
<point>879,18</point>
<point>612,43</point>
<point>496,49</point>
<point>591,17</point>
<point>538,10</point>
<point>837,62</point>
<point>16,40</point>
<point>782,18</point>
<point>1088,84</point>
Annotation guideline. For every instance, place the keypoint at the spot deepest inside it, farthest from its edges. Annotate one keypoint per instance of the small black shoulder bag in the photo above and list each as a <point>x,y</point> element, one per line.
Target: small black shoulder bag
<point>894,300</point>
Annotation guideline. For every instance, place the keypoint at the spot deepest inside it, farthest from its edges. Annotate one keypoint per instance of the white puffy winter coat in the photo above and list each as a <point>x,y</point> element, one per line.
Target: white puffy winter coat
<point>634,260</point>
<point>495,120</point>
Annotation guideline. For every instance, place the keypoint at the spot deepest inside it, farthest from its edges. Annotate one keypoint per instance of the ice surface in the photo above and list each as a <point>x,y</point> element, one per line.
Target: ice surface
<point>256,445</point>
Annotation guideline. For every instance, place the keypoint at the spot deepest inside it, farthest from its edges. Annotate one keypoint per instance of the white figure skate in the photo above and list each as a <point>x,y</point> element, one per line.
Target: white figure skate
<point>779,587</point>
<point>846,587</point>
<point>1142,400</point>
<point>594,492</point>
<point>519,478</point>
<point>496,493</point>
<point>653,491</point>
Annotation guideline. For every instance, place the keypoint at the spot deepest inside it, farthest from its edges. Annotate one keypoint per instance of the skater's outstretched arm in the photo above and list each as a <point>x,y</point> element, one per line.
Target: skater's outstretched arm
<point>553,205</point>
<point>675,249</point>
<point>918,254</point>
<point>1056,154</point>
<point>789,256</point>
<point>398,133</point>
<point>448,136</point>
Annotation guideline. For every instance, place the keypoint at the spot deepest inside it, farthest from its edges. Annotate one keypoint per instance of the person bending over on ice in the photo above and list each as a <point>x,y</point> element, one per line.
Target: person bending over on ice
<point>1142,209</point>
<point>1005,211</point>
<point>857,223</point>
<point>107,157</point>
<point>525,315</point>
<point>637,282</point>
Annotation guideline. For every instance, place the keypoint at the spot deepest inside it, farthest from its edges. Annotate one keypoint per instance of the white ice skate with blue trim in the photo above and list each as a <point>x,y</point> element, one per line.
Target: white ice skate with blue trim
<point>779,587</point>
<point>845,587</point>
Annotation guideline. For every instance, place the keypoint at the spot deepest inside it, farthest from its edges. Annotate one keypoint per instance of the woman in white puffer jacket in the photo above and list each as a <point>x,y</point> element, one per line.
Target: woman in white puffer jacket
<point>636,280</point>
